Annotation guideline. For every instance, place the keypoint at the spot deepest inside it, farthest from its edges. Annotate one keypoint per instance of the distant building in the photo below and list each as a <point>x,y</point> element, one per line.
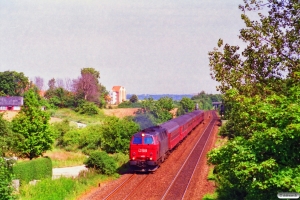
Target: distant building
<point>118,94</point>
<point>11,103</point>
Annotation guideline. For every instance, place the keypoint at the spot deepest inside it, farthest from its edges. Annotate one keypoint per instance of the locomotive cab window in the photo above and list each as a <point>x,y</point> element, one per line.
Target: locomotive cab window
<point>137,140</point>
<point>148,140</point>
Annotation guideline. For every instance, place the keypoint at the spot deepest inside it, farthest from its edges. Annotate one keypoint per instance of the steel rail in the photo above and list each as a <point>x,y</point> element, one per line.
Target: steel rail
<point>118,188</point>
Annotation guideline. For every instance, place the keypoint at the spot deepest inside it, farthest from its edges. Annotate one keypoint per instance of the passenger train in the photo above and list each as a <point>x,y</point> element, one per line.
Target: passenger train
<point>151,146</point>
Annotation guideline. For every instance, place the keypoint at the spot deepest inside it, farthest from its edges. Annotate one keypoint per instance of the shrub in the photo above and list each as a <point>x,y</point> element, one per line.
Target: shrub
<point>102,162</point>
<point>33,170</point>
<point>70,140</point>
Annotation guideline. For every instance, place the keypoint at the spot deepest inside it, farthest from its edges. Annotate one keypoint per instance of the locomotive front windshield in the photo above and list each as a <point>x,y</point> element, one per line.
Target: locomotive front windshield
<point>148,140</point>
<point>139,140</point>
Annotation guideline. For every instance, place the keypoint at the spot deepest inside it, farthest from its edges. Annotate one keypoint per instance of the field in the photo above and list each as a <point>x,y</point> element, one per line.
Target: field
<point>119,112</point>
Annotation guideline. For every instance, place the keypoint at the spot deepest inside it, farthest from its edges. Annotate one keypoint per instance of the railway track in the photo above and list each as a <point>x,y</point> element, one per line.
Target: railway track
<point>130,186</point>
<point>179,185</point>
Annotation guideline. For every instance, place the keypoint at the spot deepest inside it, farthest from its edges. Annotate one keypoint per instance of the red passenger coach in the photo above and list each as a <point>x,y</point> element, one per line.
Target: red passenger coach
<point>173,133</point>
<point>149,147</point>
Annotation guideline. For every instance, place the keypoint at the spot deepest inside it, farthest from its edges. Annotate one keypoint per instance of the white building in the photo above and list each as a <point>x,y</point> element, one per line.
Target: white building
<point>118,94</point>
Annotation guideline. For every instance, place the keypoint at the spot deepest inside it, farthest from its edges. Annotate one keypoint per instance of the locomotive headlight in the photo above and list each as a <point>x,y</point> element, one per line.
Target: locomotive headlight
<point>151,158</point>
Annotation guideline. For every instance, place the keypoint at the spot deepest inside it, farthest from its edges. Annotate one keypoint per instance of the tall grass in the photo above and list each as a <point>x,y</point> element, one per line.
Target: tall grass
<point>62,158</point>
<point>62,188</point>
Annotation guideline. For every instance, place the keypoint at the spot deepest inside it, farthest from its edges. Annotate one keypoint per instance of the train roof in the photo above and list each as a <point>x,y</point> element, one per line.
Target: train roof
<point>197,112</point>
<point>170,126</point>
<point>181,120</point>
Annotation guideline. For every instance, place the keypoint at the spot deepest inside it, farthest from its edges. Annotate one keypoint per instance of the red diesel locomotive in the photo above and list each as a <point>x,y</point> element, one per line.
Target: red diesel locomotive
<point>151,146</point>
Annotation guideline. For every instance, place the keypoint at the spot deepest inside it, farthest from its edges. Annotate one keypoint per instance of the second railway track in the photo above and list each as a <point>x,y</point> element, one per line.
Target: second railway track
<point>181,181</point>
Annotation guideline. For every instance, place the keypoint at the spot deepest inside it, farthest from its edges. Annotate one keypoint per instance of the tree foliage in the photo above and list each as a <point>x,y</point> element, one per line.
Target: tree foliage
<point>7,137</point>
<point>205,100</point>
<point>117,133</point>
<point>134,98</point>
<point>261,92</point>
<point>61,98</point>
<point>186,105</point>
<point>13,83</point>
<point>160,109</point>
<point>32,124</point>
<point>272,51</point>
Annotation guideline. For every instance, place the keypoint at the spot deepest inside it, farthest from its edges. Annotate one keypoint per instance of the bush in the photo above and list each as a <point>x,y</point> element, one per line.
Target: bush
<point>33,170</point>
<point>90,138</point>
<point>102,162</point>
<point>88,108</point>
<point>71,139</point>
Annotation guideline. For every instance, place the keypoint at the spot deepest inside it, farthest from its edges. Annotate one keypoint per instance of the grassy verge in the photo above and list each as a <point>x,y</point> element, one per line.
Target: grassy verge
<point>212,196</point>
<point>62,158</point>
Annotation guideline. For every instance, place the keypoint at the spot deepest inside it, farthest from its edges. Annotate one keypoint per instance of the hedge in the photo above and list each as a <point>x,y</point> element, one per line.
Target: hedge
<point>36,169</point>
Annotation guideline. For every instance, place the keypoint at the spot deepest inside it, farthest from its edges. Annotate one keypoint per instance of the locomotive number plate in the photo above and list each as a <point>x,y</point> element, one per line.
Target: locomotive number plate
<point>142,150</point>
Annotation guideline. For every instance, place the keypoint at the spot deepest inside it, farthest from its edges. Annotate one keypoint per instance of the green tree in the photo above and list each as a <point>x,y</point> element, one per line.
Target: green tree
<point>160,109</point>
<point>13,83</point>
<point>261,90</point>
<point>134,98</point>
<point>33,125</point>
<point>271,55</point>
<point>117,133</point>
<point>186,105</point>
<point>59,97</point>
<point>262,158</point>
<point>6,188</point>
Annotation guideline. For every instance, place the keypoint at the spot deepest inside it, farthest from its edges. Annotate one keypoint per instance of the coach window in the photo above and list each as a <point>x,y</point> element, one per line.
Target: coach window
<point>148,140</point>
<point>137,140</point>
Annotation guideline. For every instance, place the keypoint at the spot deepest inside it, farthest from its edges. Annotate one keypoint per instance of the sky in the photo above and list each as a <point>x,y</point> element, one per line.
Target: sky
<point>149,47</point>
